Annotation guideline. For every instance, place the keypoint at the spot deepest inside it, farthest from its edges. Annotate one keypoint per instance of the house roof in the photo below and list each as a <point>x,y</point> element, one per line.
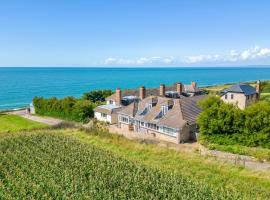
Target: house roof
<point>107,109</point>
<point>183,111</point>
<point>154,91</point>
<point>240,88</point>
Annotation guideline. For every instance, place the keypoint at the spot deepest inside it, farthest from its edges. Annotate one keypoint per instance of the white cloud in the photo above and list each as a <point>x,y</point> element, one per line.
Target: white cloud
<point>140,61</point>
<point>202,58</point>
<point>233,56</point>
<point>254,53</point>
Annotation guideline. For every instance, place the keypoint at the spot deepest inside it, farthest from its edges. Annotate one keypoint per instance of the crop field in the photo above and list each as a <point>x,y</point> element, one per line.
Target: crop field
<point>52,166</point>
<point>13,123</point>
<point>57,164</point>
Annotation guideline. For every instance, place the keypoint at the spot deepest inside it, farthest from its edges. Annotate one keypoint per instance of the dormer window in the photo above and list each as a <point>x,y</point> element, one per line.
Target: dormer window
<point>164,109</point>
<point>149,106</point>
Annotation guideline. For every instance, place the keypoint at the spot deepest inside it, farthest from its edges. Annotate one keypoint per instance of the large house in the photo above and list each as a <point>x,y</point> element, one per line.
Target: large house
<point>241,95</point>
<point>166,113</point>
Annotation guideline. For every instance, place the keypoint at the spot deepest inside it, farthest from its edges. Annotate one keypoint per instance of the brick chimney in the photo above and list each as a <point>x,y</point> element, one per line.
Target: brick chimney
<point>162,90</point>
<point>194,84</point>
<point>179,88</point>
<point>118,96</point>
<point>142,92</point>
<point>258,88</point>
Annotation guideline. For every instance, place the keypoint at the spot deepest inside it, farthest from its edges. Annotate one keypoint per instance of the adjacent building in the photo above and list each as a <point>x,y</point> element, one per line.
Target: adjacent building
<point>241,95</point>
<point>166,113</point>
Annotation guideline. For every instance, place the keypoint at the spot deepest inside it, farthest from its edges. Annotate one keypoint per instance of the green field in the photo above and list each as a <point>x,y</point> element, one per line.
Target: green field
<point>11,123</point>
<point>73,164</point>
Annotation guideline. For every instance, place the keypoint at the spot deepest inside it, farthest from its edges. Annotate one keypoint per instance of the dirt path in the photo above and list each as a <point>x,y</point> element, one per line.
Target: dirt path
<point>46,120</point>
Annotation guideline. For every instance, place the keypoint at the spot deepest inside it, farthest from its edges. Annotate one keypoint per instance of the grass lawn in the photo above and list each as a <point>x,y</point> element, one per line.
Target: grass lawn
<point>11,123</point>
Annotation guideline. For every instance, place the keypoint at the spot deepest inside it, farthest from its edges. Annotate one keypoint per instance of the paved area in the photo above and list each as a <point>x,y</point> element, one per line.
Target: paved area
<point>46,120</point>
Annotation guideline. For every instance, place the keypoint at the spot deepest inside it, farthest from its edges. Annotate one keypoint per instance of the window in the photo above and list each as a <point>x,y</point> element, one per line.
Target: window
<point>231,96</point>
<point>124,119</point>
<point>226,96</point>
<point>103,115</point>
<point>164,110</point>
<point>168,131</point>
<point>247,96</point>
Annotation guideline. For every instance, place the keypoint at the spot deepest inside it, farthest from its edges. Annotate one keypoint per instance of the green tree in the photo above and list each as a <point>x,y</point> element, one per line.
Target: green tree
<point>97,95</point>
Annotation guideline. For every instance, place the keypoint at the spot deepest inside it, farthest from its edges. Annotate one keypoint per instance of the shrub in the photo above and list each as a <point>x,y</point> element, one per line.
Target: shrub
<point>67,108</point>
<point>97,96</point>
<point>225,124</point>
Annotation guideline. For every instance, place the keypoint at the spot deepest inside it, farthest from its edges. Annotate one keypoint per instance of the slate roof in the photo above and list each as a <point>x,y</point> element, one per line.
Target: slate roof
<point>240,88</point>
<point>154,91</point>
<point>183,111</point>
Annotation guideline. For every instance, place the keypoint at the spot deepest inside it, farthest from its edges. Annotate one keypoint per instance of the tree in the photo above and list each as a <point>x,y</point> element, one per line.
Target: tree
<point>97,95</point>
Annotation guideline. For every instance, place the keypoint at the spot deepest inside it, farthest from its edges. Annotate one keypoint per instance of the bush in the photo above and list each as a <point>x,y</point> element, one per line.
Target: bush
<point>67,108</point>
<point>97,96</point>
<point>225,124</point>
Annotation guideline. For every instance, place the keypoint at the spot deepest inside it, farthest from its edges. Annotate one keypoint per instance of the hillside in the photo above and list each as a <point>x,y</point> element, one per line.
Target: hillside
<point>72,163</point>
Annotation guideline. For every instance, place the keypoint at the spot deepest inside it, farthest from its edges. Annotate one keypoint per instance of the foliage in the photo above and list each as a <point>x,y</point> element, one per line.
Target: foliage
<point>97,96</point>
<point>67,108</point>
<point>11,123</point>
<point>265,87</point>
<point>219,118</point>
<point>70,164</point>
<point>259,153</point>
<point>48,166</point>
<point>223,123</point>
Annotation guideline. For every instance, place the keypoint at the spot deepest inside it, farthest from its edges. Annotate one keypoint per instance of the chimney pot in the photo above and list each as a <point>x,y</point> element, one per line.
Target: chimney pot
<point>142,92</point>
<point>162,90</point>
<point>258,88</point>
<point>179,88</point>
<point>118,94</point>
<point>194,84</point>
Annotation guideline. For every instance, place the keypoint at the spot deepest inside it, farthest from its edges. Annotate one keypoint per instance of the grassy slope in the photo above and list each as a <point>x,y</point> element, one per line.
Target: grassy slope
<point>217,174</point>
<point>226,178</point>
<point>15,123</point>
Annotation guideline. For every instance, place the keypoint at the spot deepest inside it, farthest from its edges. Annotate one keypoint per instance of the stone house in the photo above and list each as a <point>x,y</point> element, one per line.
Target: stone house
<point>241,95</point>
<point>167,113</point>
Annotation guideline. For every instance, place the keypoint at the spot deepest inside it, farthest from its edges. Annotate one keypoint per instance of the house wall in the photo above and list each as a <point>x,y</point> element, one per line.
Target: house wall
<point>239,99</point>
<point>188,133</point>
<point>100,118</point>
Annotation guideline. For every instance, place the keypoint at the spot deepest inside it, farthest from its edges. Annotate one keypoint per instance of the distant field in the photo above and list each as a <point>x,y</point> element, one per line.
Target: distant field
<point>72,164</point>
<point>15,123</point>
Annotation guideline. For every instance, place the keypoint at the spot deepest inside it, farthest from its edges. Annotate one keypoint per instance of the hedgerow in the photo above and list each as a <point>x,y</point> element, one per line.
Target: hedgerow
<point>68,108</point>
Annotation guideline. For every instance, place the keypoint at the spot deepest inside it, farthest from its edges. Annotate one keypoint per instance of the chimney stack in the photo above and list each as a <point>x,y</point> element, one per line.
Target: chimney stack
<point>258,88</point>
<point>118,96</point>
<point>194,84</point>
<point>142,92</point>
<point>179,88</point>
<point>162,90</point>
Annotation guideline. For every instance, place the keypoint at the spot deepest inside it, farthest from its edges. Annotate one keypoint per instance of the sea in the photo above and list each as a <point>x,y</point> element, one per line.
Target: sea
<point>18,85</point>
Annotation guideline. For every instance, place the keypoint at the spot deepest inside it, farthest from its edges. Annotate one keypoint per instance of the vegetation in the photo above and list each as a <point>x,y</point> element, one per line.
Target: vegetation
<point>11,123</point>
<point>70,108</point>
<point>78,165</point>
<point>67,108</point>
<point>225,127</point>
<point>97,96</point>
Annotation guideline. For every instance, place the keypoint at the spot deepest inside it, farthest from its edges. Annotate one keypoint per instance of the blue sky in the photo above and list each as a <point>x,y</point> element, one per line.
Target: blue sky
<point>134,33</point>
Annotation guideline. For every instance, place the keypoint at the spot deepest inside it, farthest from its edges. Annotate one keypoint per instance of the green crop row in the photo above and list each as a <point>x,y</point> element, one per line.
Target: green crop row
<point>48,166</point>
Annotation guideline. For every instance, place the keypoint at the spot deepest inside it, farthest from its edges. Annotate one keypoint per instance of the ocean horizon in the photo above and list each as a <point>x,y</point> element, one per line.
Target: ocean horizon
<point>20,84</point>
